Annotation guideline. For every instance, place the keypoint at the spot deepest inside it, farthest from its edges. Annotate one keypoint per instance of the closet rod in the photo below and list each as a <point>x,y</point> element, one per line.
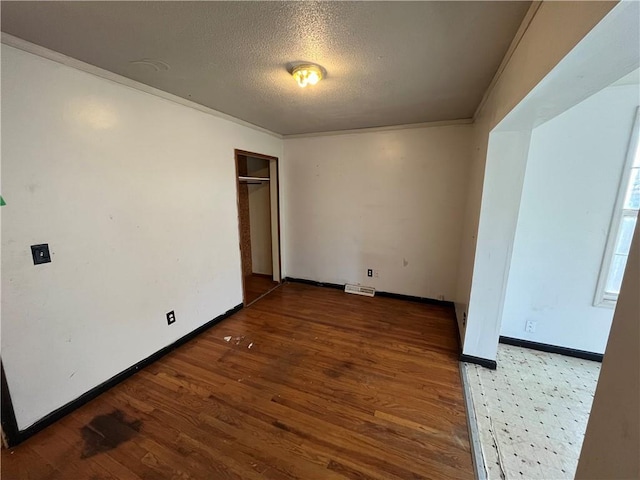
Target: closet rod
<point>253,179</point>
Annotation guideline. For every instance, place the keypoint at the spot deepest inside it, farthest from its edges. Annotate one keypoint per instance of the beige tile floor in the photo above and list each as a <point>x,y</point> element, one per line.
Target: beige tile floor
<point>532,412</point>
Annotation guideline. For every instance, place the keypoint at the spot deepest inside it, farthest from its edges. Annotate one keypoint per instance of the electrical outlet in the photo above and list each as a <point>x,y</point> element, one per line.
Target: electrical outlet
<point>441,298</point>
<point>530,326</point>
<point>369,272</point>
<point>464,319</point>
<point>171,317</point>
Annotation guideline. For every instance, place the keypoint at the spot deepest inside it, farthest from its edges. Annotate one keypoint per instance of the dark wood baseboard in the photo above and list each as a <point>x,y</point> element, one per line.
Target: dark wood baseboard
<point>411,298</point>
<point>10,425</point>
<point>544,347</point>
<point>491,364</point>
<point>398,296</point>
<point>314,283</point>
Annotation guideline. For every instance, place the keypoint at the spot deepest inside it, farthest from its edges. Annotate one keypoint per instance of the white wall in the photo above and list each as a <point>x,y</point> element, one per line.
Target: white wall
<point>388,200</point>
<point>572,175</point>
<point>260,217</point>
<point>556,28</point>
<point>503,179</point>
<point>612,440</point>
<point>136,197</point>
<point>276,206</point>
<point>260,224</point>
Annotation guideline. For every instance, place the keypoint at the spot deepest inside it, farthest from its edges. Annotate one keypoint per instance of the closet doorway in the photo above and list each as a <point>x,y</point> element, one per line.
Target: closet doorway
<point>259,223</point>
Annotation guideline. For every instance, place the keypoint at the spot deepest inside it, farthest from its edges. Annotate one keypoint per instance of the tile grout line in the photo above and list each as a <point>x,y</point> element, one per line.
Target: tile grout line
<point>503,475</point>
<point>492,429</point>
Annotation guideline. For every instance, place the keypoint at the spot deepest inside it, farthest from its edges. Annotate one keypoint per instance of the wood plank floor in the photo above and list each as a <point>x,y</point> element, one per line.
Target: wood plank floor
<point>314,384</point>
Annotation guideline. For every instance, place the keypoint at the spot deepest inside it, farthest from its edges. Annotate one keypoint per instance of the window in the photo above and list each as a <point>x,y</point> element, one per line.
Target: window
<point>623,224</point>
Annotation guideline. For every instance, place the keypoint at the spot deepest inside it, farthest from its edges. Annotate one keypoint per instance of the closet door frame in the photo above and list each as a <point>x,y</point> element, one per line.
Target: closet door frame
<point>274,182</point>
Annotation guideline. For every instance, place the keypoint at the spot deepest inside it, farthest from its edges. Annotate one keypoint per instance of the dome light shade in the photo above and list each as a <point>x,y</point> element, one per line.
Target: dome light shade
<point>307,74</point>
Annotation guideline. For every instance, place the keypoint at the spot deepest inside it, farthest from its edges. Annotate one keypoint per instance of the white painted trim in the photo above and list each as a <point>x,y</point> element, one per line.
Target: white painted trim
<point>524,26</point>
<point>442,123</point>
<point>43,52</point>
<point>600,300</point>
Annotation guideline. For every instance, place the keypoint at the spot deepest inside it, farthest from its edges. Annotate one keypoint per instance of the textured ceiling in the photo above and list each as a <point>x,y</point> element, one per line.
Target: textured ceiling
<point>387,63</point>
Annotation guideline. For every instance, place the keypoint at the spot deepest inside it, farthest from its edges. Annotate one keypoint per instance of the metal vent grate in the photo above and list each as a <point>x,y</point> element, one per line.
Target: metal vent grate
<point>360,290</point>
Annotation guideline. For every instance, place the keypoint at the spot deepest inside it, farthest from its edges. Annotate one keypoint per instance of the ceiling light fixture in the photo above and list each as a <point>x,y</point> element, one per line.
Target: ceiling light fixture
<point>307,74</point>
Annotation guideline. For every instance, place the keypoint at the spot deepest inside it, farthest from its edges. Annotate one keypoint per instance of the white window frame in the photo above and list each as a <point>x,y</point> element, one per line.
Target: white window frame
<point>603,298</point>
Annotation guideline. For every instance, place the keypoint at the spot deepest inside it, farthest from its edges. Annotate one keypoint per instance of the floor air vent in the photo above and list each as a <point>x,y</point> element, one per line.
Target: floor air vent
<point>360,290</point>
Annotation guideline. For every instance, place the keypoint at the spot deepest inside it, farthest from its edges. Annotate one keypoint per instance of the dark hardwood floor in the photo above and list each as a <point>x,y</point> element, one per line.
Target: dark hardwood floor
<point>313,384</point>
<point>256,285</point>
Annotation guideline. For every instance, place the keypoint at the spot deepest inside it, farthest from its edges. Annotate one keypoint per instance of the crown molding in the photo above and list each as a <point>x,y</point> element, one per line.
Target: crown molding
<point>57,57</point>
<point>442,123</point>
<point>524,26</point>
